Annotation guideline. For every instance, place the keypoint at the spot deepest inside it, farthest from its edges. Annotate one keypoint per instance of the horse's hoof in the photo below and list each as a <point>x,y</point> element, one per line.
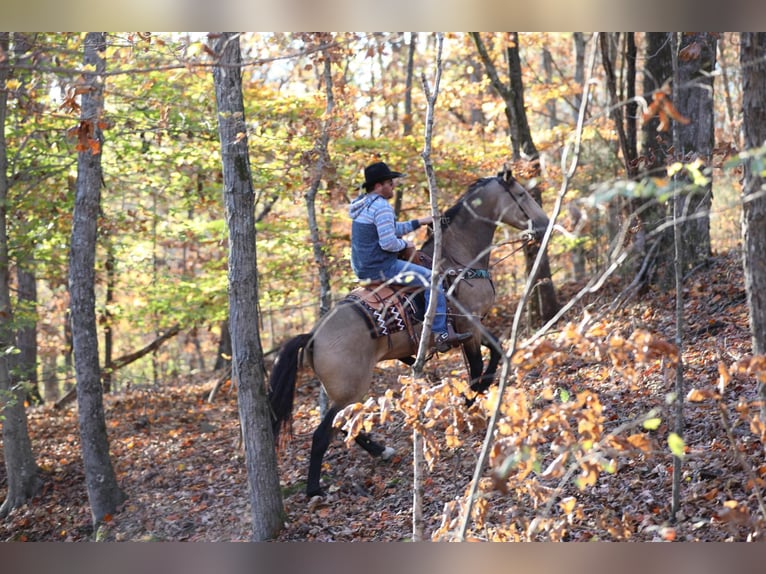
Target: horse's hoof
<point>314,492</point>
<point>388,452</point>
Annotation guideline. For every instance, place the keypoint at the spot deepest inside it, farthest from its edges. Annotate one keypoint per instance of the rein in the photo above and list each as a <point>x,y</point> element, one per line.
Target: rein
<point>523,239</point>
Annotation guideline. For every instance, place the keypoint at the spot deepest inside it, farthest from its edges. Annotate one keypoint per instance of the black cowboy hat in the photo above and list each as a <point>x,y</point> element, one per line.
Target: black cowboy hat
<point>377,172</point>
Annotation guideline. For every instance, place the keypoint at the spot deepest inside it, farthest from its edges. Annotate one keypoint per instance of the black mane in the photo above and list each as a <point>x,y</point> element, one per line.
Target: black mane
<point>449,215</point>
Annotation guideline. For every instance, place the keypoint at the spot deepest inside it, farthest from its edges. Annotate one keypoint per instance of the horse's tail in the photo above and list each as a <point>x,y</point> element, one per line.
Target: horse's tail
<point>282,383</point>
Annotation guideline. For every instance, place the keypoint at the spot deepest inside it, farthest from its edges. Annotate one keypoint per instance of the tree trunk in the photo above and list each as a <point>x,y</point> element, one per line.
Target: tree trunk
<point>578,39</point>
<point>753,66</point>
<point>25,363</point>
<point>656,146</point>
<point>543,303</point>
<point>696,139</point>
<point>407,121</point>
<point>247,362</point>
<point>520,126</point>
<point>111,279</point>
<point>322,162</point>
<point>104,494</point>
<point>21,469</point>
<point>223,356</point>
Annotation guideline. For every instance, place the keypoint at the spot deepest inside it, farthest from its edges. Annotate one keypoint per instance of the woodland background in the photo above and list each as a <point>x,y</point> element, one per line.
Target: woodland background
<point>161,289</point>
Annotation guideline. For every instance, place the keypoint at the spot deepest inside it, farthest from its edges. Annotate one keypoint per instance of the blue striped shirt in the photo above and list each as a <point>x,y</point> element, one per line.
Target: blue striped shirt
<point>375,236</point>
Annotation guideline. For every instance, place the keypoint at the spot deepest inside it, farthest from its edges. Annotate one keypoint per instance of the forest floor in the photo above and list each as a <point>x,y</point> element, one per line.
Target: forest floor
<point>178,459</point>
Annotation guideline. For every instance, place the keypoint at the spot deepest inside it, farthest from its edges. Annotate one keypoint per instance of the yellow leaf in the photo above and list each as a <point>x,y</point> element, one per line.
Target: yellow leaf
<point>568,504</point>
<point>676,444</point>
<point>653,423</point>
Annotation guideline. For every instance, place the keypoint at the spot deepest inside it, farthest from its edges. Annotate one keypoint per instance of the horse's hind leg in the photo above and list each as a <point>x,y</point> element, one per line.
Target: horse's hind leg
<point>374,448</point>
<point>319,443</point>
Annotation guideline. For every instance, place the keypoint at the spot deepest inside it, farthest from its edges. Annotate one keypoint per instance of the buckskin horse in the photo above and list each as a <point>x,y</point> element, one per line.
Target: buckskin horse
<point>346,344</point>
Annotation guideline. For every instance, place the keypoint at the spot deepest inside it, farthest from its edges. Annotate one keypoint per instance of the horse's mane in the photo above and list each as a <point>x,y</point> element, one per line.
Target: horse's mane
<point>449,215</point>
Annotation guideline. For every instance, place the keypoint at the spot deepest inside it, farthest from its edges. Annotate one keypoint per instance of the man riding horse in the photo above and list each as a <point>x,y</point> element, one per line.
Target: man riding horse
<point>376,240</point>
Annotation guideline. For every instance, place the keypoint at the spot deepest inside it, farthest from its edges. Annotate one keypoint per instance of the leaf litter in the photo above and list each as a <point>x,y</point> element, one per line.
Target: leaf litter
<point>580,453</point>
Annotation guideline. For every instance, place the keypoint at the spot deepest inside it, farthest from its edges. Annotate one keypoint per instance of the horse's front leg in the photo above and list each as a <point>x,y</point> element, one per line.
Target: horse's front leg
<point>474,361</point>
<point>495,353</point>
<point>481,378</point>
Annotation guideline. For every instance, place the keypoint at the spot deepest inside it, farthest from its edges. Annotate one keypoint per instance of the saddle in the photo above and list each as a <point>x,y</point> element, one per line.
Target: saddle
<point>387,308</point>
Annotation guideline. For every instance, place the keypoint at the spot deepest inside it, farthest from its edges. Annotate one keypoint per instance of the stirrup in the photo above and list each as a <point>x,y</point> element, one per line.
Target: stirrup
<point>443,342</point>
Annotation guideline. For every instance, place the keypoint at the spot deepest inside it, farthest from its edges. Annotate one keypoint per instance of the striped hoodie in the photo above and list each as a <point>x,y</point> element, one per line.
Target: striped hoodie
<point>375,236</point>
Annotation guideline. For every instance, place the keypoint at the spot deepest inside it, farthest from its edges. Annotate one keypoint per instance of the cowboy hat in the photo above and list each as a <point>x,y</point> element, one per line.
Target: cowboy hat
<point>377,172</point>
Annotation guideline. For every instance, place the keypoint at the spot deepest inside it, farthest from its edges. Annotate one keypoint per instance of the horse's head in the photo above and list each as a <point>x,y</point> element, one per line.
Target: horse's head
<point>513,205</point>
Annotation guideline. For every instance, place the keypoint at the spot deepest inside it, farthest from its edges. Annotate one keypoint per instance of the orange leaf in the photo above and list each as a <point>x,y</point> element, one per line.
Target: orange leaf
<point>671,110</point>
<point>723,376</point>
<point>640,441</point>
<point>690,52</point>
<point>669,534</point>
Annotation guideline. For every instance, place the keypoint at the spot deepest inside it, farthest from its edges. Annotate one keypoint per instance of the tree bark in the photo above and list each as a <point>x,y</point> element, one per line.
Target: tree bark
<point>543,304</point>
<point>520,124</point>
<point>655,152</point>
<point>322,162</point>
<point>25,363</point>
<point>111,279</point>
<point>407,122</point>
<point>247,362</point>
<point>696,139</point>
<point>753,66</point>
<point>21,470</point>
<point>104,494</point>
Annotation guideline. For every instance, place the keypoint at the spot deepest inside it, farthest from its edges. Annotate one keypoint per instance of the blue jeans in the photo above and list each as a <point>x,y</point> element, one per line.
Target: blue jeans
<point>406,273</point>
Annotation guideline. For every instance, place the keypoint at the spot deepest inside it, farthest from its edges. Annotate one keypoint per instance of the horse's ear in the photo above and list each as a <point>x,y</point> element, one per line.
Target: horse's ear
<point>507,174</point>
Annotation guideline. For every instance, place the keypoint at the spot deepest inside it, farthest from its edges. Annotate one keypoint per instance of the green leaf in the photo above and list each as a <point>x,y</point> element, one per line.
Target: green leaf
<point>653,423</point>
<point>676,444</point>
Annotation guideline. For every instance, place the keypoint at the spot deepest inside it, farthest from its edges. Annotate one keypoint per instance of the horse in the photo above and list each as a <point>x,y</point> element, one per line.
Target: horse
<point>341,350</point>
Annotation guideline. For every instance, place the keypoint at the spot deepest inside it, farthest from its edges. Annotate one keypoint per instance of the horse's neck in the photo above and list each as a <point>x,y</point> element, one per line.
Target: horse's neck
<point>467,243</point>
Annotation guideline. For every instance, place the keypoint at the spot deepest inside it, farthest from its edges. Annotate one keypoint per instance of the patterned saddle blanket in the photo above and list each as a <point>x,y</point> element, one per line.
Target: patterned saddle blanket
<point>387,309</point>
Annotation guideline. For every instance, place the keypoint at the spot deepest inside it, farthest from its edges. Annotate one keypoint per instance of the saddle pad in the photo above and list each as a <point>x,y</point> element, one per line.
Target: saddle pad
<point>385,309</point>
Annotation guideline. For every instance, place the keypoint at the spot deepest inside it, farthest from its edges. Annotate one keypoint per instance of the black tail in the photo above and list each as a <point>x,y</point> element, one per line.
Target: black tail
<point>282,383</point>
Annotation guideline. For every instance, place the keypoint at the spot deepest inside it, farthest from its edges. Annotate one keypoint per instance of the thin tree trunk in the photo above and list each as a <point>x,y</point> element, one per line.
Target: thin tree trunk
<point>519,113</point>
<point>109,265</point>
<point>407,122</point>
<point>696,139</point>
<point>735,130</point>
<point>417,367</point>
<point>248,368</point>
<point>21,470</point>
<point>578,39</point>
<point>25,363</point>
<point>543,305</point>
<point>753,65</point>
<point>615,107</point>
<point>322,163</point>
<point>223,355</point>
<point>656,146</point>
<point>104,494</point>
<point>678,270</point>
